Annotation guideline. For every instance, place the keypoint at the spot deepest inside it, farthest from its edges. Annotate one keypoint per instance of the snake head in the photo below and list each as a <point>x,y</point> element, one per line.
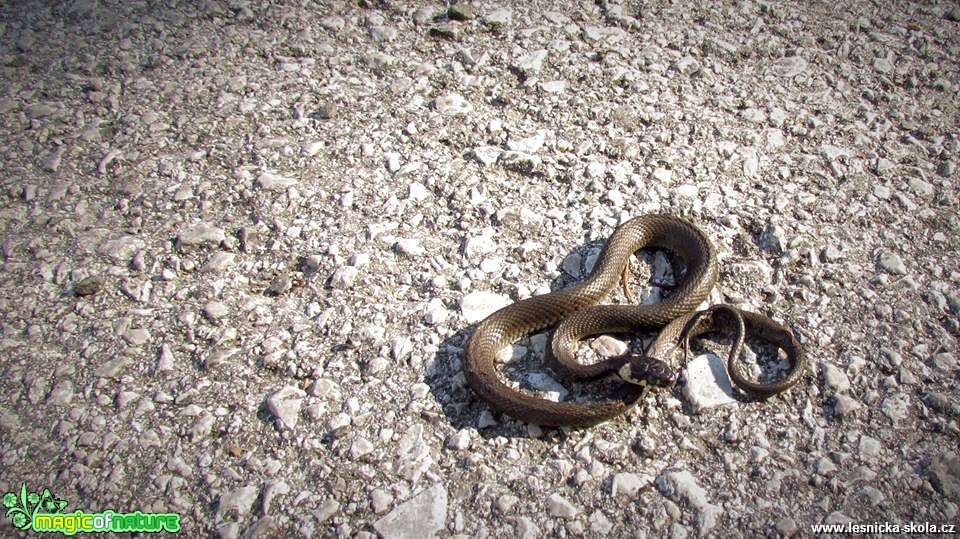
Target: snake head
<point>647,371</point>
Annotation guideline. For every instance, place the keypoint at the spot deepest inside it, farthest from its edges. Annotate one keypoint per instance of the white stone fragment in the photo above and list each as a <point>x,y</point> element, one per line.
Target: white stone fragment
<point>360,447</point>
<point>599,523</point>
<point>436,312</point>
<point>553,86</point>
<point>400,348</point>
<point>201,233</point>
<point>218,262</point>
<point>452,105</point>
<point>311,149</point>
<point>545,383</point>
<point>531,144</point>
<point>892,263</point>
<point>663,175</point>
<point>525,528</point>
<point>681,487</point>
<point>486,155</point>
<point>751,164</point>
<point>531,63</point>
<point>834,379</point>
<point>417,192</point>
<point>423,515</point>
<point>595,169</point>
<point>165,359</point>
<point>393,161</point>
<point>121,249</point>
<point>274,182</point>
<point>790,66</point>
<point>409,246</point>
<point>285,406</point>
<point>707,384</point>
<point>344,277</point>
<point>625,485</point>
<point>499,17</point>
<point>381,500</point>
<point>608,346</point>
<point>215,310</point>
<point>687,190</point>
<point>558,506</point>
<point>238,502</point>
<point>476,306</point>
<point>477,246</point>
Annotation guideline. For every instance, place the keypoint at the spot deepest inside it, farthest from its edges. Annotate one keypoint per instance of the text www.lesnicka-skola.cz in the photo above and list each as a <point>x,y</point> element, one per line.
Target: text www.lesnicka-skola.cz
<point>885,527</point>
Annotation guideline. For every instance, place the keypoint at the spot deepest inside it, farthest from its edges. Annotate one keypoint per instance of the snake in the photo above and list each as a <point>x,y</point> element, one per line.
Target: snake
<point>577,311</point>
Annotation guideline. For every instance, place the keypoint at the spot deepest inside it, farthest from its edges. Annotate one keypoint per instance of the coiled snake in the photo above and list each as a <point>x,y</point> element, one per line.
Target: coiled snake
<point>575,309</point>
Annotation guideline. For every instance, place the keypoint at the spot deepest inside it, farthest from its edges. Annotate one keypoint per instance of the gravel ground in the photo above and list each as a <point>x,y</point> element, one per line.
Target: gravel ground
<point>243,244</point>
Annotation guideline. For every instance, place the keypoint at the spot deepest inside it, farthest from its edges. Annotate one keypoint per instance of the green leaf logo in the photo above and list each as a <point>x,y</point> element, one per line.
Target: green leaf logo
<point>22,507</point>
<point>49,504</point>
<point>18,507</point>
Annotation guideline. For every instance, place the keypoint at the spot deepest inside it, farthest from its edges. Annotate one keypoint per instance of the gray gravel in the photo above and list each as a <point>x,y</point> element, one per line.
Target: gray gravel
<point>243,246</point>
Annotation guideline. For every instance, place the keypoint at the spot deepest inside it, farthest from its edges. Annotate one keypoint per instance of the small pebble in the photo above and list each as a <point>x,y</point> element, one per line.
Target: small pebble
<point>88,286</point>
<point>278,285</point>
<point>844,406</point>
<point>380,501</point>
<point>452,105</point>
<point>423,515</point>
<point>531,63</point>
<point>869,447</point>
<point>436,312</point>
<point>344,277</point>
<point>285,405</point>
<point>215,310</point>
<point>892,263</point>
<point>558,506</point>
<point>461,12</point>
<point>834,379</point>
<point>274,182</point>
<point>201,233</point>
<point>498,17</point>
<point>506,503</point>
<point>627,484</point>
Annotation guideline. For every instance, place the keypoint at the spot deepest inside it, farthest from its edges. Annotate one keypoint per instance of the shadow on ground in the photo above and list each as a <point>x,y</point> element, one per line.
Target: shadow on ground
<point>463,409</point>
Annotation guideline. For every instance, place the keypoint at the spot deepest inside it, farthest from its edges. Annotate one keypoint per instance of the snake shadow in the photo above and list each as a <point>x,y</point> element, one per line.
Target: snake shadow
<point>464,409</point>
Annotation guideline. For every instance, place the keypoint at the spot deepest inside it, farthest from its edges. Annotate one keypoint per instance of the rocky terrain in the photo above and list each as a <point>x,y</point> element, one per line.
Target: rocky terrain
<point>243,244</point>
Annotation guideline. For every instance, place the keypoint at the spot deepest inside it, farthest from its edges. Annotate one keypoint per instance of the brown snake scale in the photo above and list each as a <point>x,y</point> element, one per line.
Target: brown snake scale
<point>575,309</point>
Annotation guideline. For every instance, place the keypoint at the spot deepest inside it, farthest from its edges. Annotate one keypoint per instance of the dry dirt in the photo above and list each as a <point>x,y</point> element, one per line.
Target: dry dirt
<point>243,244</point>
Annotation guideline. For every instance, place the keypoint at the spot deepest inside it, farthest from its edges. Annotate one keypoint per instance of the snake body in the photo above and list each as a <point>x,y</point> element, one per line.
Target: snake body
<point>532,314</point>
<point>676,336</point>
<point>576,310</point>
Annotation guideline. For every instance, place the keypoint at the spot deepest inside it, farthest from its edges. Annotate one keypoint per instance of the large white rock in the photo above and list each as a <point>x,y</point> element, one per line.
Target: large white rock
<point>707,384</point>
<point>476,306</point>
<point>423,515</point>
